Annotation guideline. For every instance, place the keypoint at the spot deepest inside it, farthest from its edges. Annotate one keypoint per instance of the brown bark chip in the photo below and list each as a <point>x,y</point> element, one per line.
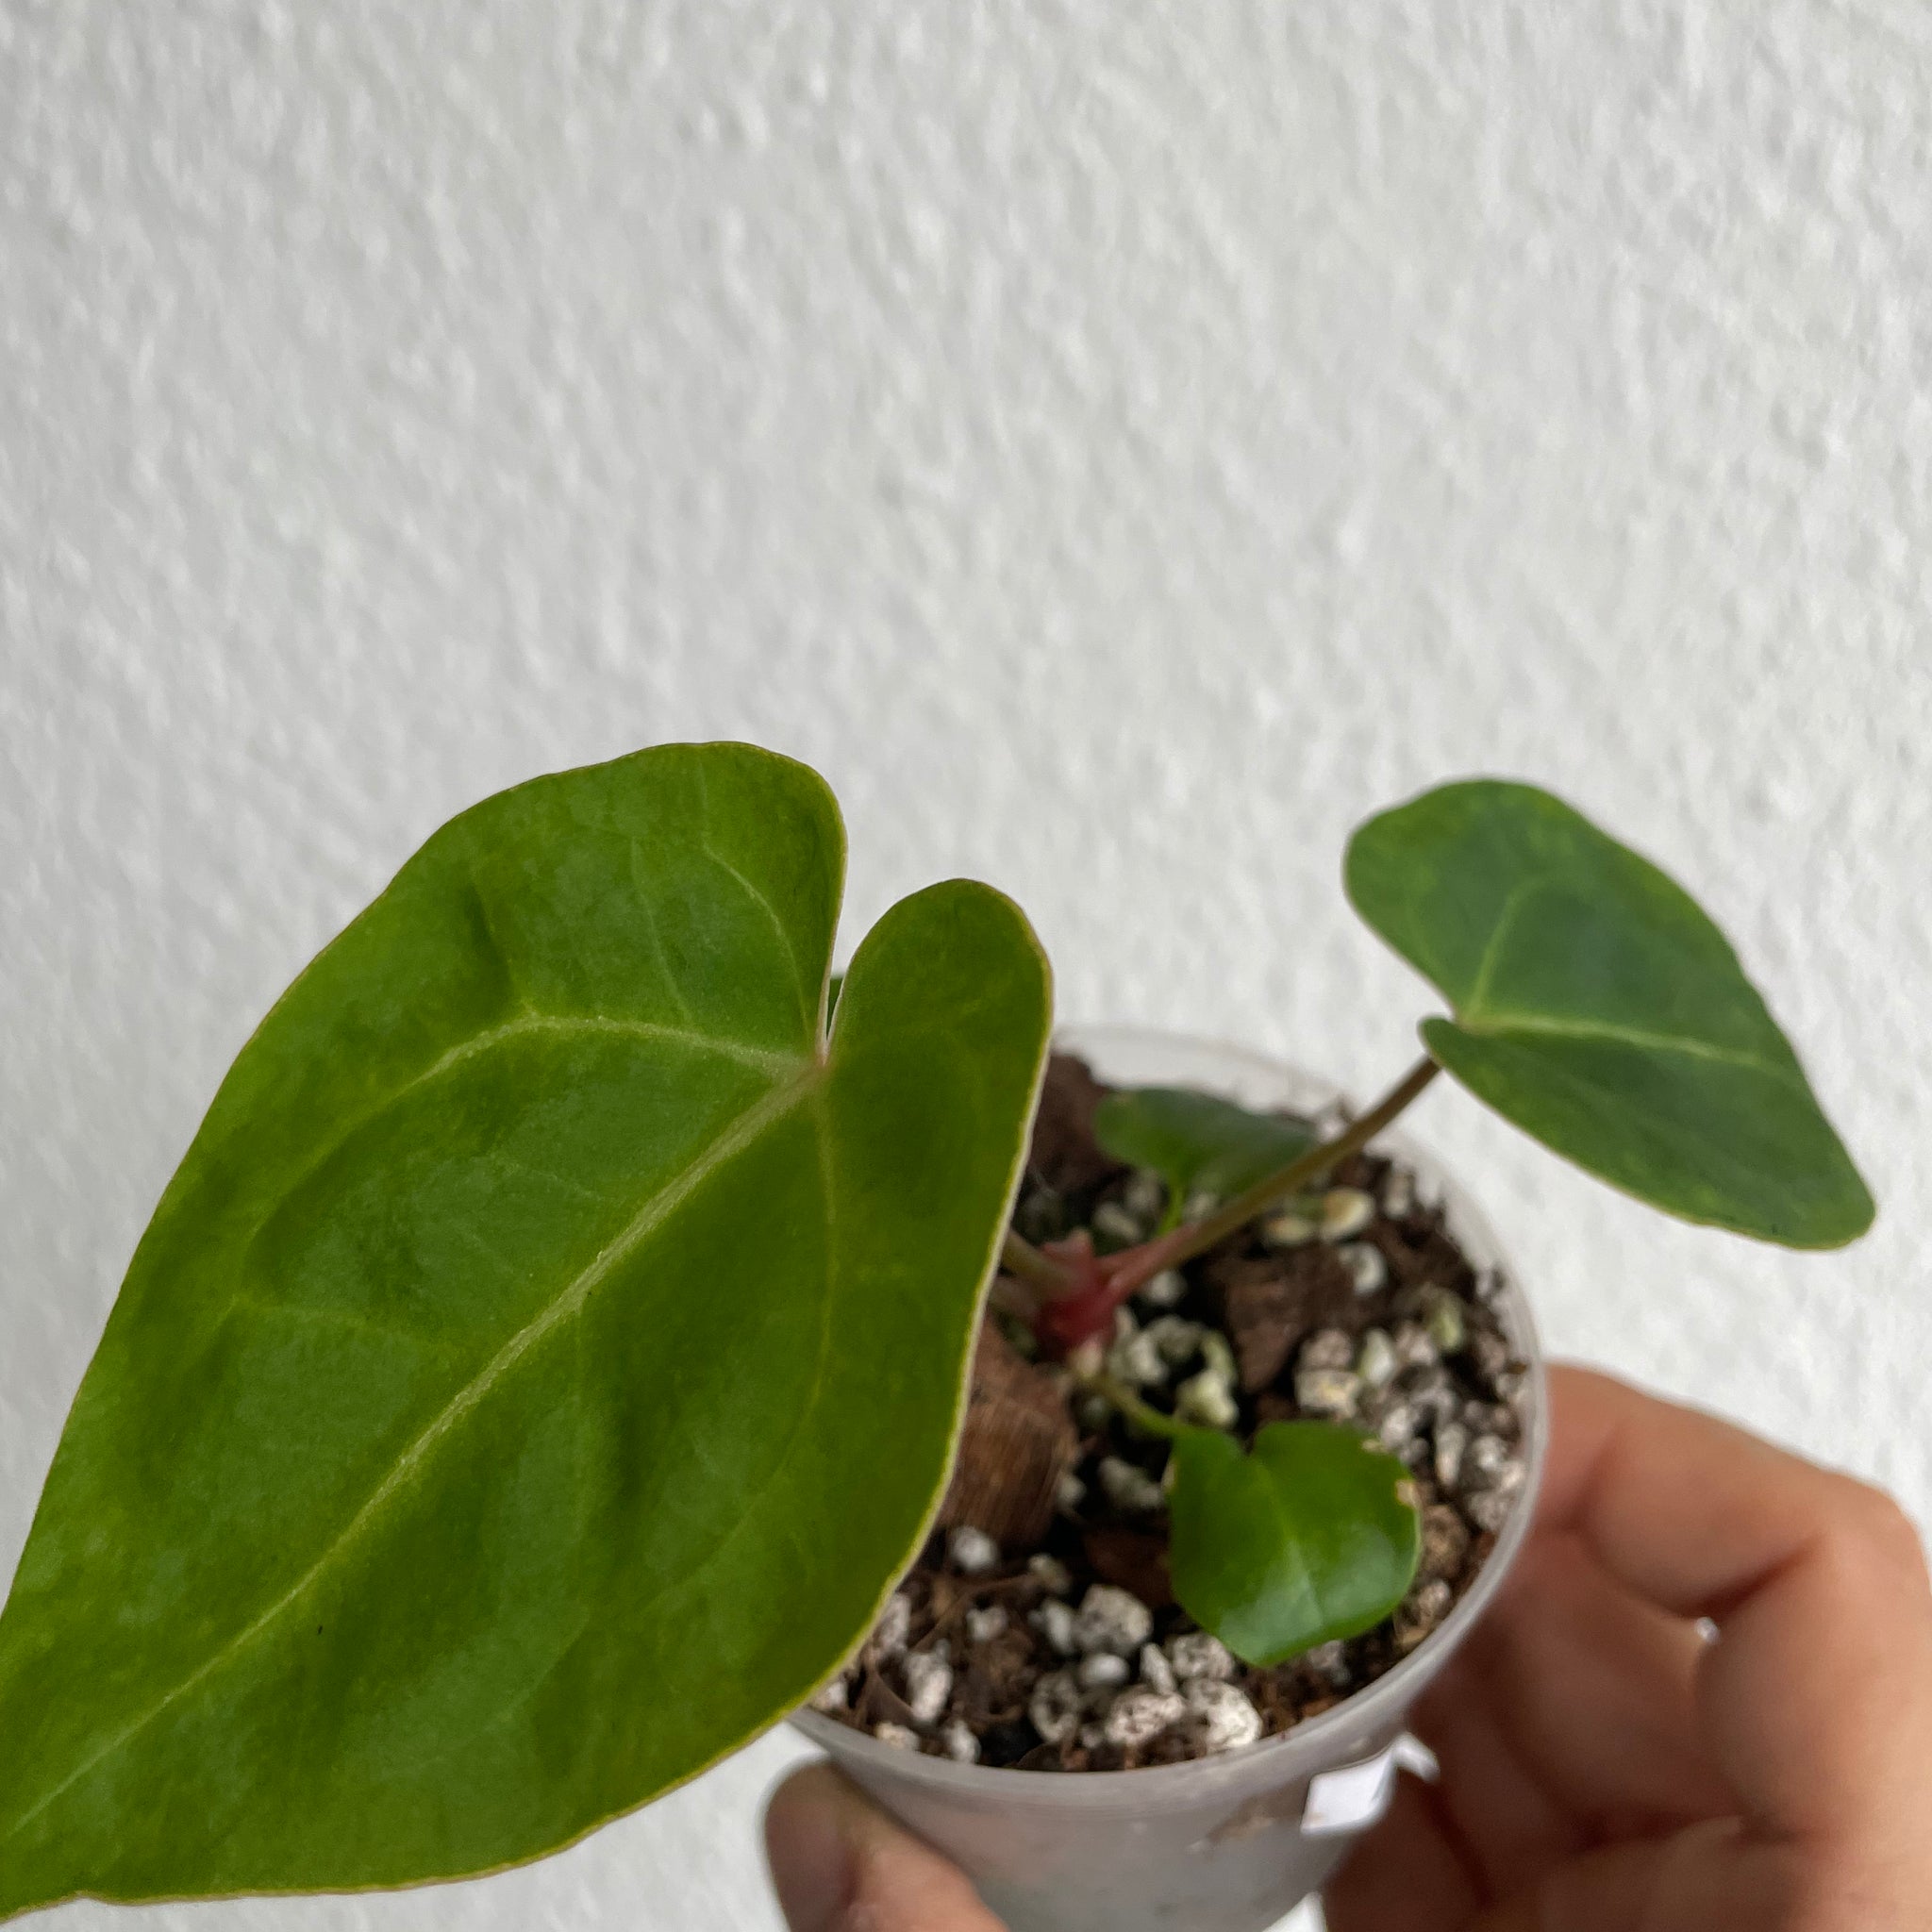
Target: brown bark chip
<point>1065,1154</point>
<point>996,1679</point>
<point>1135,1559</point>
<point>1260,1319</point>
<point>1017,1442</point>
<point>1271,1303</point>
<point>1421,1253</point>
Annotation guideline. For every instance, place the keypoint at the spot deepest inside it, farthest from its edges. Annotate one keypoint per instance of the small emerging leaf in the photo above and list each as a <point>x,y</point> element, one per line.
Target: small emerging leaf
<point>1309,1535</point>
<point>1195,1142</point>
<point>1600,1009</point>
<point>543,1360</point>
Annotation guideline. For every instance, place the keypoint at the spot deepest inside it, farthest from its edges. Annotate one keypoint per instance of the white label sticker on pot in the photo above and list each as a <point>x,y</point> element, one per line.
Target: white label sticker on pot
<point>1353,1798</point>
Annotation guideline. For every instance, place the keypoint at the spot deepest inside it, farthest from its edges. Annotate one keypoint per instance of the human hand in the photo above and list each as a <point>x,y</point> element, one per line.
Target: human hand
<point>1606,1770</point>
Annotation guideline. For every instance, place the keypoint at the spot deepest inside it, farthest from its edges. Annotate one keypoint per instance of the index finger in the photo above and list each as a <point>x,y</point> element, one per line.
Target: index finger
<point>1817,1698</point>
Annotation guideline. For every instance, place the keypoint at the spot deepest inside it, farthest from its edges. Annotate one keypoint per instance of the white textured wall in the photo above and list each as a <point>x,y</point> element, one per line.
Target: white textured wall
<point>1119,446</point>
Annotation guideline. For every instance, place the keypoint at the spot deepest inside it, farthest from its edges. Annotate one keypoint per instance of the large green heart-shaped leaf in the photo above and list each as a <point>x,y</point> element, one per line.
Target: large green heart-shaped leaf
<point>1600,1009</point>
<point>1195,1142</point>
<point>1309,1535</point>
<point>543,1363</point>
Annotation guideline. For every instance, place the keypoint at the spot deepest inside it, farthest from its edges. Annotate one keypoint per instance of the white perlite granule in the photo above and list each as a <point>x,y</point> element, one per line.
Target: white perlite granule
<point>1105,1669</point>
<point>1139,1716</point>
<point>1055,1621</point>
<point>957,1741</point>
<point>1128,1486</point>
<point>1112,1619</point>
<point>929,1684</point>
<point>893,1627</point>
<point>1155,1672</point>
<point>1055,1706</point>
<point>1195,1654</point>
<point>984,1624</point>
<point>1050,1574</point>
<point>1228,1719</point>
<point>973,1551</point>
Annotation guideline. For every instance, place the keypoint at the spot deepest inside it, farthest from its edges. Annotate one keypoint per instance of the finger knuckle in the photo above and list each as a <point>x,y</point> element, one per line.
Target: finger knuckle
<point>1875,1525</point>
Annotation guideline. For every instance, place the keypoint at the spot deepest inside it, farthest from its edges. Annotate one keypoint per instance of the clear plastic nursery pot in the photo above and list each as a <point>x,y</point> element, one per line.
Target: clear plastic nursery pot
<point>1220,1844</point>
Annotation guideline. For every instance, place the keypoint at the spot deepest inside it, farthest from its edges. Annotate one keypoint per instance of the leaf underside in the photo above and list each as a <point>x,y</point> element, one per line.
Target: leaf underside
<point>1195,1140</point>
<point>1601,1011</point>
<point>1309,1535</point>
<point>477,1445</point>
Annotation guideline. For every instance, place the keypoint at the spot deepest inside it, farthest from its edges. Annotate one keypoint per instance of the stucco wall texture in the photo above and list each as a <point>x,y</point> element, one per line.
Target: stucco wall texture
<point>1120,447</point>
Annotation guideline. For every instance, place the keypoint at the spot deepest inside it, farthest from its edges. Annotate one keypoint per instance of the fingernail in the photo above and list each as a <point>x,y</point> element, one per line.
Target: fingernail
<point>810,1860</point>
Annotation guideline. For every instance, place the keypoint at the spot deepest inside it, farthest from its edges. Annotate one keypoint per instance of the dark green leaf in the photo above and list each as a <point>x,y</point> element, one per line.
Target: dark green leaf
<point>541,1365</point>
<point>1311,1535</point>
<point>1195,1140</point>
<point>1601,1011</point>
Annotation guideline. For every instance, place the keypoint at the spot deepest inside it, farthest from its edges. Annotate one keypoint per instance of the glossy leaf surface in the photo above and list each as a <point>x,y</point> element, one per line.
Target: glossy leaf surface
<point>1307,1536</point>
<point>1195,1142</point>
<point>544,1361</point>
<point>1600,1009</point>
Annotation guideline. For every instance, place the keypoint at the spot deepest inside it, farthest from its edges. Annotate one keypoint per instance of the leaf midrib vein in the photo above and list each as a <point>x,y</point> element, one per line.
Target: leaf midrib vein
<point>1474,1016</point>
<point>807,1408</point>
<point>779,1465</point>
<point>764,1059</point>
<point>1290,1537</point>
<point>1512,900</point>
<point>1491,1024</point>
<point>743,1130</point>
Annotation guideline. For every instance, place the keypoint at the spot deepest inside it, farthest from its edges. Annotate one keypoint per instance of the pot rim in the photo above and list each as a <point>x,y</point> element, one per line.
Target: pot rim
<point>1362,1710</point>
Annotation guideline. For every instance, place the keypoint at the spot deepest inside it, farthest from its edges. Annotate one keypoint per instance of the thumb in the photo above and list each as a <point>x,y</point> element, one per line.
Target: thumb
<point>841,1865</point>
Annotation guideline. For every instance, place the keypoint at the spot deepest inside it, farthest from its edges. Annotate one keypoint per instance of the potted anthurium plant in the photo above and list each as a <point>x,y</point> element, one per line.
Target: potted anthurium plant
<point>570,1344</point>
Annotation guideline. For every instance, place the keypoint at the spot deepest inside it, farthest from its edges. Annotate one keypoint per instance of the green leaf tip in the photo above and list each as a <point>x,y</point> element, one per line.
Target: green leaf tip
<point>1600,1009</point>
<point>1310,1534</point>
<point>469,1455</point>
<point>1195,1142</point>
